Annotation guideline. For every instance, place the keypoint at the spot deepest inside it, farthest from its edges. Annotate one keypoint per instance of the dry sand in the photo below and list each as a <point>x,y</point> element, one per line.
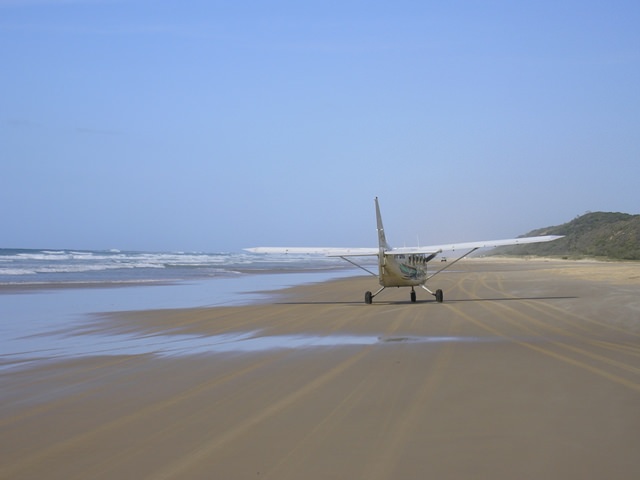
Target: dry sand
<point>528,370</point>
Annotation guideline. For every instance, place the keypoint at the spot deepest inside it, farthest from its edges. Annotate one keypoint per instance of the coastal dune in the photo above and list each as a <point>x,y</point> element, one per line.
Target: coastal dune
<point>529,369</point>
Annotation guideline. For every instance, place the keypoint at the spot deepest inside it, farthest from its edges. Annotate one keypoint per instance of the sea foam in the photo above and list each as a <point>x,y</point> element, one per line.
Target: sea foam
<point>73,266</point>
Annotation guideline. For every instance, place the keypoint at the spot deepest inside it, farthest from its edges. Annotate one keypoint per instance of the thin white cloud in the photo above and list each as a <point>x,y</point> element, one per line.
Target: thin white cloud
<point>23,123</point>
<point>97,131</point>
<point>26,3</point>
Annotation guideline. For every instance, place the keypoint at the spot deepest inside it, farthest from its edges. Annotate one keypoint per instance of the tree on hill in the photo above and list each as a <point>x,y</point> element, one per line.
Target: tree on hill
<point>594,234</point>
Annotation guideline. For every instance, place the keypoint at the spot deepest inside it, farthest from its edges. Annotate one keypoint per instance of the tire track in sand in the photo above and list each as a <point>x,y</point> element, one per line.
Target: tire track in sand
<point>553,323</point>
<point>404,427</point>
<point>74,442</point>
<point>562,352</point>
<point>179,468</point>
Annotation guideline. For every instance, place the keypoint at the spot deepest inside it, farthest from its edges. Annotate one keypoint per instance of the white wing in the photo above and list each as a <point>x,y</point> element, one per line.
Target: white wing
<point>328,251</point>
<point>472,245</point>
<point>430,249</point>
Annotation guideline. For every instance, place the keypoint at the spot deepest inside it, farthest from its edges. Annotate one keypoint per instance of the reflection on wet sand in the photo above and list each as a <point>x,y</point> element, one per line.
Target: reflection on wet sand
<point>65,346</point>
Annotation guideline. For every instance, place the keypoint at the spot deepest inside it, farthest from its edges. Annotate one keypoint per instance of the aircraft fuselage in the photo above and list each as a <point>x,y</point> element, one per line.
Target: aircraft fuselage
<point>402,270</point>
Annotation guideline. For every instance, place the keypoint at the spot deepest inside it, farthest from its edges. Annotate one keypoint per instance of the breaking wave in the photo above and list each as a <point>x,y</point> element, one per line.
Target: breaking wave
<point>24,266</point>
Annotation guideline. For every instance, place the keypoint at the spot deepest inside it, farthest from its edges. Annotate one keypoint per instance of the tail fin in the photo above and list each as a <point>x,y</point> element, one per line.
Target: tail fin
<point>382,241</point>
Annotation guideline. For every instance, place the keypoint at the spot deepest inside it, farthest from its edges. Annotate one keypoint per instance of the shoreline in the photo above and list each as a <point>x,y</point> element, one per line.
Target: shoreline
<point>30,286</point>
<point>109,312</point>
<point>43,323</point>
<point>34,286</point>
<point>522,372</point>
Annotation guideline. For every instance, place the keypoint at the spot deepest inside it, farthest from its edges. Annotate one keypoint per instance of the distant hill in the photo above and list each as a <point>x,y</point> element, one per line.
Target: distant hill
<point>594,234</point>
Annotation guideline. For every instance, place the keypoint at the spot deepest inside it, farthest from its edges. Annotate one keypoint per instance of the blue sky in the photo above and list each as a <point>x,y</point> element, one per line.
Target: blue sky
<point>213,126</point>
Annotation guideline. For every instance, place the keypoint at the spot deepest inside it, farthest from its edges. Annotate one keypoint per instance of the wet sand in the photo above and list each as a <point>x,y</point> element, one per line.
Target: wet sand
<point>530,369</point>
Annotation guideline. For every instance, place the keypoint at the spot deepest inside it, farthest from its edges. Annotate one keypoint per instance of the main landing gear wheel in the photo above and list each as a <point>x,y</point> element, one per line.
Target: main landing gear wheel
<point>368,298</point>
<point>439,296</point>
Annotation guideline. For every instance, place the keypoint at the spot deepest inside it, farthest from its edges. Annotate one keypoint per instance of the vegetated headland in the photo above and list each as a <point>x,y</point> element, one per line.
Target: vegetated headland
<point>603,235</point>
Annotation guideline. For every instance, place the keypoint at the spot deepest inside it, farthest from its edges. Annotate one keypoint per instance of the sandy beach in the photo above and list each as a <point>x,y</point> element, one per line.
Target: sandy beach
<point>529,369</point>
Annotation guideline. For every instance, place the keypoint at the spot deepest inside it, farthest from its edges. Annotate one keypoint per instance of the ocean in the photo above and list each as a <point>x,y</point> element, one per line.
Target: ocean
<point>102,267</point>
<point>44,293</point>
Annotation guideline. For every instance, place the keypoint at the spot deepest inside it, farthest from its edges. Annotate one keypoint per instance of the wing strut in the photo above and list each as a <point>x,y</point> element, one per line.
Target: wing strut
<point>438,293</point>
<point>452,263</point>
<point>359,266</point>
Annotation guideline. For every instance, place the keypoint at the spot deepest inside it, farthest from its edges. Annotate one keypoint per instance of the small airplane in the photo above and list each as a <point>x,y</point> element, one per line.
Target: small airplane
<point>402,267</point>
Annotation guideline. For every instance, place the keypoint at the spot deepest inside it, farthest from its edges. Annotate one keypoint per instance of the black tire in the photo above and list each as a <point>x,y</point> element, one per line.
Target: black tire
<point>439,296</point>
<point>413,296</point>
<point>368,298</point>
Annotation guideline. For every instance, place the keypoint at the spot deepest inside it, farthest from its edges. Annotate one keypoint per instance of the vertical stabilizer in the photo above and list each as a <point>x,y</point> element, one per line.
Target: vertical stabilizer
<point>382,241</point>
